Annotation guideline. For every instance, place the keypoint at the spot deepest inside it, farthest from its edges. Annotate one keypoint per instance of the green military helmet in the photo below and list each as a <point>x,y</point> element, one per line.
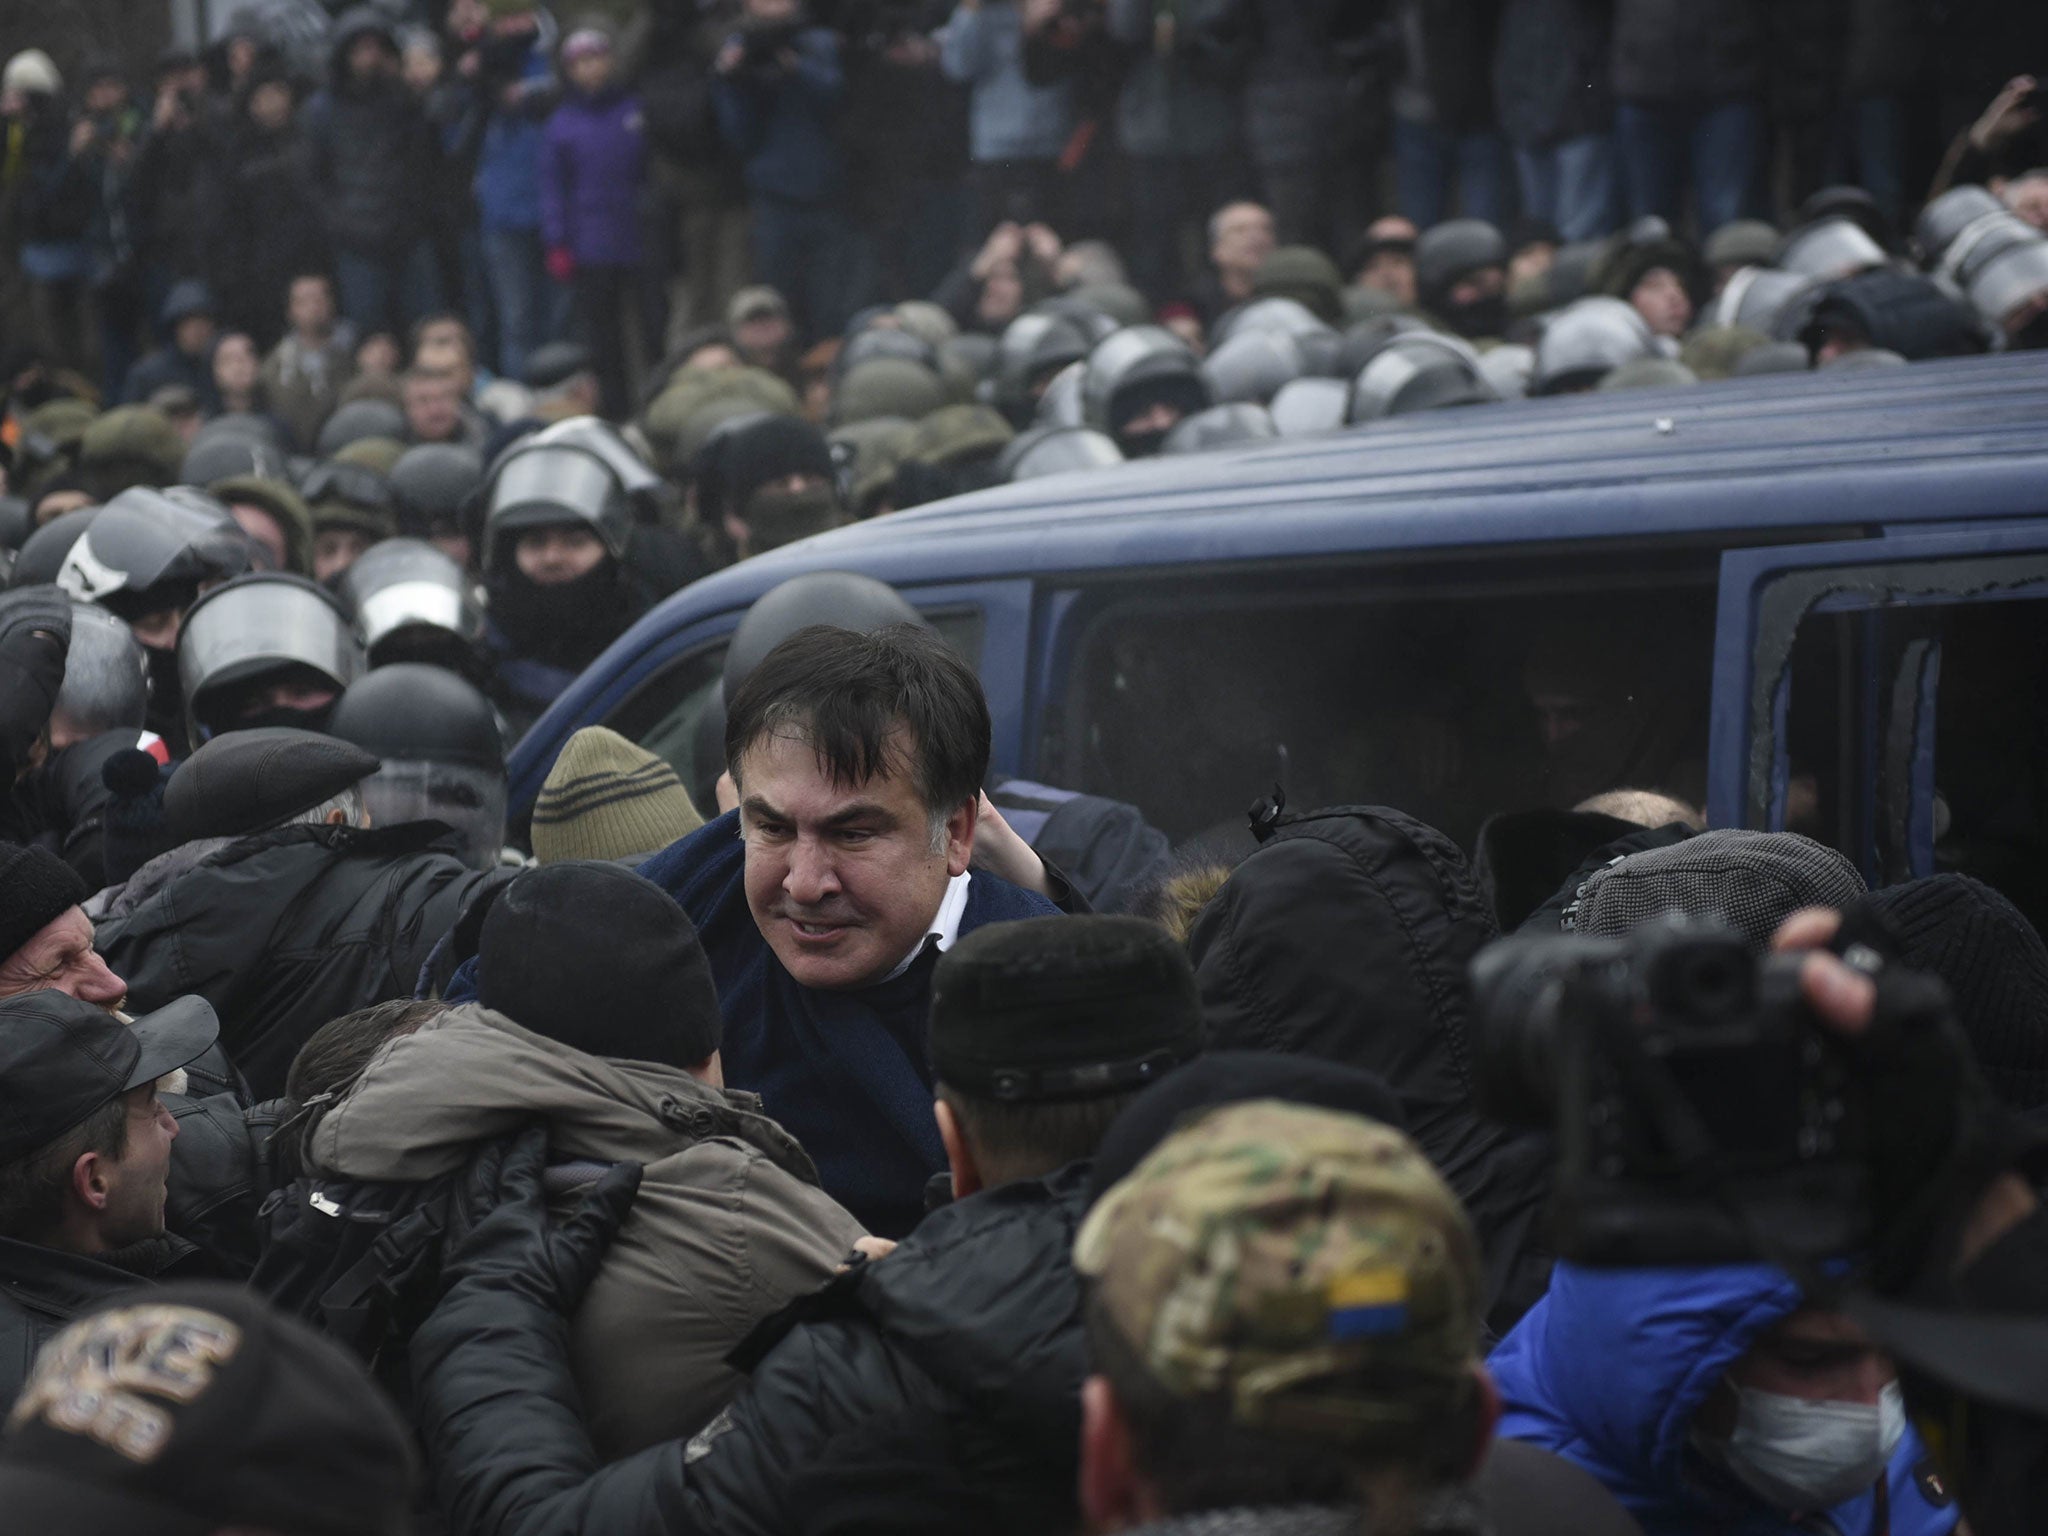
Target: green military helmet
<point>888,386</point>
<point>957,432</point>
<point>128,446</point>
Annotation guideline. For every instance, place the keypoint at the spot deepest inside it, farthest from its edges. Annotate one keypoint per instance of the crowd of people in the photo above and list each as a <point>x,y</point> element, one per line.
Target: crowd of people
<point>618,174</point>
<point>801,1130</point>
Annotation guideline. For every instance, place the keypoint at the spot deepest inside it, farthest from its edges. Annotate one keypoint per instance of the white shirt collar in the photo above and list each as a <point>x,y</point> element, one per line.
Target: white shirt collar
<point>945,925</point>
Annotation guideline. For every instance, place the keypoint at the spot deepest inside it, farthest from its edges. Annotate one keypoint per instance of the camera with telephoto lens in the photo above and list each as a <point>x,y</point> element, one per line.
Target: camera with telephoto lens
<point>1699,1113</point>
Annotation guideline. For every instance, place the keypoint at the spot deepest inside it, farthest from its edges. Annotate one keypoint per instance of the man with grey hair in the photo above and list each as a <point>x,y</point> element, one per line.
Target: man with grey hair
<point>278,902</point>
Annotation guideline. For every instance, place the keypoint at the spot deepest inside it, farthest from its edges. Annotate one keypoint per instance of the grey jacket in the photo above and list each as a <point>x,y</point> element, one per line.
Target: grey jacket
<point>729,1225</point>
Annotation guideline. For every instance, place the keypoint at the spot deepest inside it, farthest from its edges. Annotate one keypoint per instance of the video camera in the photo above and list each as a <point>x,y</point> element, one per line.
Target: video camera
<point>1699,1113</point>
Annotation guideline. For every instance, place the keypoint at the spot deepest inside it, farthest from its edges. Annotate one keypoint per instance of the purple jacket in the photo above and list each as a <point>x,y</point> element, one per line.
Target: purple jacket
<point>592,163</point>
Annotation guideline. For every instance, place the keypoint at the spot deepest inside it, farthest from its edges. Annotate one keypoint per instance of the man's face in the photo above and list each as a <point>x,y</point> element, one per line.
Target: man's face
<point>843,880</point>
<point>311,306</point>
<point>433,410</point>
<point>590,73</point>
<point>234,364</point>
<point>1476,288</point>
<point>1660,298</point>
<point>193,334</point>
<point>1144,432</point>
<point>761,337</point>
<point>270,105</point>
<point>1392,272</point>
<point>55,504</point>
<point>370,57</point>
<point>337,548</point>
<point>300,689</point>
<point>772,12</point>
<point>137,1183</point>
<point>444,348</point>
<point>1817,1355</point>
<point>1244,238</point>
<point>559,553</point>
<point>59,957</point>
<point>105,95</point>
<point>157,629</point>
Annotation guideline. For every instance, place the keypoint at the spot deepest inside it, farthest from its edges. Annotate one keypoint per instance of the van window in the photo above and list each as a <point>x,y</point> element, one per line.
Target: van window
<point>664,712</point>
<point>1936,710</point>
<point>1450,696</point>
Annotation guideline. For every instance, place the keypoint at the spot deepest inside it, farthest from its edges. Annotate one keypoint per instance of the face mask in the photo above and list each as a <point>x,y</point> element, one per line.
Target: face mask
<point>1802,1456</point>
<point>776,516</point>
<point>166,712</point>
<point>1480,318</point>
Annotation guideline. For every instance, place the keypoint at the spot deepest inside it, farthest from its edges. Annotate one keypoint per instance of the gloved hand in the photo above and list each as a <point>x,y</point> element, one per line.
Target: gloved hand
<point>499,1229</point>
<point>561,264</point>
<point>35,637</point>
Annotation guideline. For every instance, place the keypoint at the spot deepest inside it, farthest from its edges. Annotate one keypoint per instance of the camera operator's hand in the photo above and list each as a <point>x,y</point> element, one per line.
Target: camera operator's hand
<point>1939,1145</point>
<point>2006,116</point>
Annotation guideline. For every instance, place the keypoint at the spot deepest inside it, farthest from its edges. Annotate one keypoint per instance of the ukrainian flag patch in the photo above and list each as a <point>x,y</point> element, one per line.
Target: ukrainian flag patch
<point>1369,1304</point>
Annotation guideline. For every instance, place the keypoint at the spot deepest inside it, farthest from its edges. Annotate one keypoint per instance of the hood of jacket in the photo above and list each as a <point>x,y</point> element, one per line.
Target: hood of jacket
<point>983,1297</point>
<point>1610,1367</point>
<point>1346,935</point>
<point>358,21</point>
<point>426,1099</point>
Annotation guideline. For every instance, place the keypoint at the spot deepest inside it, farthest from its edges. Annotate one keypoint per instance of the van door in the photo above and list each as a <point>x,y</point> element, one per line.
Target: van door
<point>1889,697</point>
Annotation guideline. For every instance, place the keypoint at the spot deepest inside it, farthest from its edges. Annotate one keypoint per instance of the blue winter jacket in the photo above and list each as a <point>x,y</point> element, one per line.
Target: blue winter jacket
<point>784,128</point>
<point>508,161</point>
<point>1609,1368</point>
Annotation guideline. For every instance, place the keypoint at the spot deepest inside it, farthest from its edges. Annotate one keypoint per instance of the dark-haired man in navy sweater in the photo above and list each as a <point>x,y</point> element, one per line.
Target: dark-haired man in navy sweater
<point>824,900</point>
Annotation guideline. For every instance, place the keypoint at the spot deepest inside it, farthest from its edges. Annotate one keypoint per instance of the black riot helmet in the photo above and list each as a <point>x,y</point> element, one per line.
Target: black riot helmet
<point>227,456</point>
<point>401,587</point>
<point>845,599</point>
<point>1253,365</point>
<point>1449,252</point>
<point>1365,338</point>
<point>257,627</point>
<point>43,552</point>
<point>1418,371</point>
<point>1056,451</point>
<point>431,484</point>
<point>1033,349</point>
<point>442,750</point>
<point>1135,370</point>
<point>1310,407</point>
<point>539,484</point>
<point>357,420</point>
<point>1221,426</point>
<point>1585,341</point>
<point>106,676</point>
<point>149,550</point>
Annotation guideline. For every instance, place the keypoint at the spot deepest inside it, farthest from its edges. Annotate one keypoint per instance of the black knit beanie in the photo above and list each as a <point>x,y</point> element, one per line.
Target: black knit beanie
<point>35,887</point>
<point>599,959</point>
<point>1995,967</point>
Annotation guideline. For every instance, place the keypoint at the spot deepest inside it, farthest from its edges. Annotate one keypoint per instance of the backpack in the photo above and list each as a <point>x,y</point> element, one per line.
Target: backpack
<point>358,1259</point>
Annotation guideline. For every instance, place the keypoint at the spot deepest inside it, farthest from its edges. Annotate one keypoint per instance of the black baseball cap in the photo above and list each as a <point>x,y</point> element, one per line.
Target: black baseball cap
<point>61,1059</point>
<point>1058,1008</point>
<point>182,1409</point>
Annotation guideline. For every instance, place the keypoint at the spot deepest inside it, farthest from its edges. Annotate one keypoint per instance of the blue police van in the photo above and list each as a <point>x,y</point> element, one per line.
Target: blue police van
<point>1810,601</point>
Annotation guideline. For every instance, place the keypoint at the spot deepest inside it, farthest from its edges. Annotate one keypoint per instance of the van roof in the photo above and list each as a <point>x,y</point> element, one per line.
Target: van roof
<point>1952,440</point>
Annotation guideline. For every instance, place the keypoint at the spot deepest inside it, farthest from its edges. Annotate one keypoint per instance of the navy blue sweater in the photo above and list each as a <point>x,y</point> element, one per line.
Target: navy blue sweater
<point>846,1073</point>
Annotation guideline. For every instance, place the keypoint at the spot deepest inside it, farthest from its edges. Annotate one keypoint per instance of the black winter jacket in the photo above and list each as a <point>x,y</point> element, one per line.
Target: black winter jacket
<point>374,160</point>
<point>41,1291</point>
<point>1686,52</point>
<point>286,929</point>
<point>1346,935</point>
<point>1551,71</point>
<point>973,1323</point>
